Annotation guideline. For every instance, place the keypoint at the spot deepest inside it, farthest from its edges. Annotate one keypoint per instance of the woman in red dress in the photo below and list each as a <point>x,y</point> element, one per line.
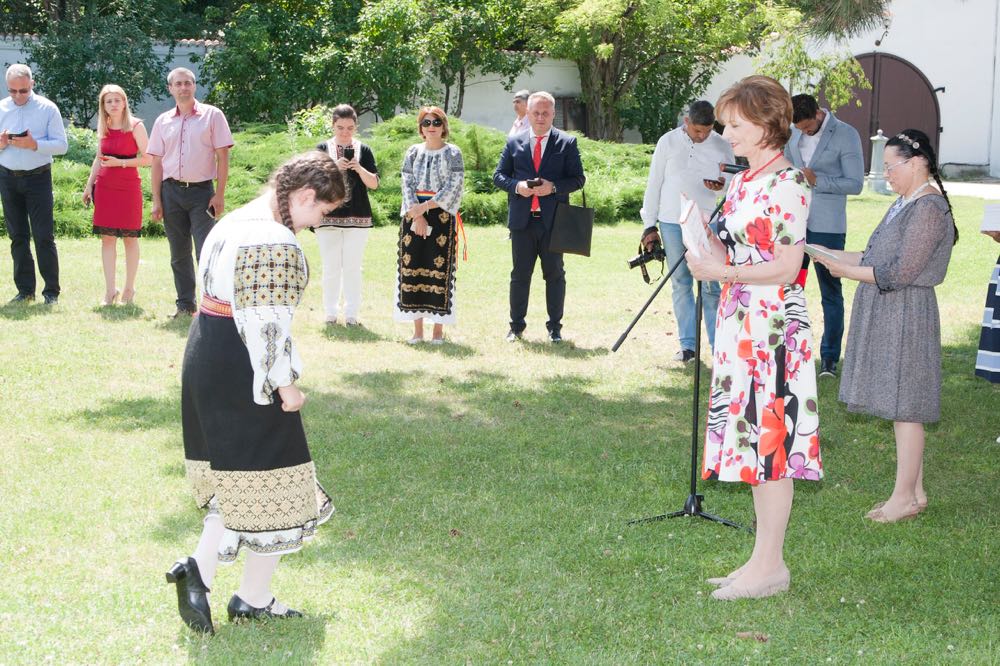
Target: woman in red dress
<point>115,188</point>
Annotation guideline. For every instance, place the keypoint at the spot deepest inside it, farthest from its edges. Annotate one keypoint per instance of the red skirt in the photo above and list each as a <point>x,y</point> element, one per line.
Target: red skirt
<point>118,202</point>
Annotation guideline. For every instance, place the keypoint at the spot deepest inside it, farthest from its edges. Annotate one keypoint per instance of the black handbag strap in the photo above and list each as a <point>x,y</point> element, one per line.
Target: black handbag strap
<point>583,191</point>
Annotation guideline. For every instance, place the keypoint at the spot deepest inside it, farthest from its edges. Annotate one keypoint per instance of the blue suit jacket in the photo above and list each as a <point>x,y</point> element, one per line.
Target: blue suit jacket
<point>840,170</point>
<point>560,164</point>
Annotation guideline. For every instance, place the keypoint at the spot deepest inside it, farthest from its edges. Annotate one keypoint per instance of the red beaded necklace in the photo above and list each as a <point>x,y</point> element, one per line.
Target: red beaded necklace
<point>750,175</point>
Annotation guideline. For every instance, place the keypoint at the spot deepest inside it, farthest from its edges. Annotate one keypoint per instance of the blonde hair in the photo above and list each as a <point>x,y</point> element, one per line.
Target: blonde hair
<point>763,102</point>
<point>128,121</point>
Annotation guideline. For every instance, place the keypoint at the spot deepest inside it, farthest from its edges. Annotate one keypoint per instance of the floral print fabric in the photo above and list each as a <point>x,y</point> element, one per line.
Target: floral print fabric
<point>763,422</point>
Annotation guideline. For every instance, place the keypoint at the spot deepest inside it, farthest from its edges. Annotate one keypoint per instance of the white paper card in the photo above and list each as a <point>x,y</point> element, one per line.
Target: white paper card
<point>814,251</point>
<point>991,218</point>
<point>693,228</point>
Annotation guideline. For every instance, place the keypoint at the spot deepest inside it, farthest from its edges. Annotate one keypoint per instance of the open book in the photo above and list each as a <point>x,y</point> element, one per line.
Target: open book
<point>693,228</point>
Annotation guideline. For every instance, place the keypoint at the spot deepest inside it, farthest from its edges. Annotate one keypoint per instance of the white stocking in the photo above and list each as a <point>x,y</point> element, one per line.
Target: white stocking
<point>207,552</point>
<point>257,572</point>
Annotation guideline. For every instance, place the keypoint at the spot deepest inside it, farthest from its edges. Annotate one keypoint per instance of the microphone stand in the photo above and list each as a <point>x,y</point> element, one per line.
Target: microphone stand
<point>692,506</point>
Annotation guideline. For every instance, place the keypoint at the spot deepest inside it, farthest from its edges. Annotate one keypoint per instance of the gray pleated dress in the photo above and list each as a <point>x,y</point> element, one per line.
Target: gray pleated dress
<point>892,365</point>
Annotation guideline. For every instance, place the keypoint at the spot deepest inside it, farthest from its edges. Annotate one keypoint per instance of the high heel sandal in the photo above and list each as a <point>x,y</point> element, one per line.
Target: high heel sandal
<point>192,595</point>
<point>113,300</point>
<point>127,300</point>
<point>241,610</point>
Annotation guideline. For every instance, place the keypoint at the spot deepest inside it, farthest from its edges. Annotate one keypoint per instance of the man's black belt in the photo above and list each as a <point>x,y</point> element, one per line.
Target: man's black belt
<point>26,172</point>
<point>184,183</point>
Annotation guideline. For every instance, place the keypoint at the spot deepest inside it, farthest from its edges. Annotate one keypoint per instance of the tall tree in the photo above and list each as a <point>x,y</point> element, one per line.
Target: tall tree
<point>614,42</point>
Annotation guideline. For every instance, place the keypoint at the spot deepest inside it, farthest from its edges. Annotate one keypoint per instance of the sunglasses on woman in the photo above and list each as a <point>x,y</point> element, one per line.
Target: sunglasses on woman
<point>427,122</point>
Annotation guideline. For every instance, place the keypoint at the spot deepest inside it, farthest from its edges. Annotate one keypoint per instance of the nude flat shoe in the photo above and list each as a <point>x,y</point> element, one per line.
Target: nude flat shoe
<point>725,580</point>
<point>878,515</point>
<point>878,505</point>
<point>768,587</point>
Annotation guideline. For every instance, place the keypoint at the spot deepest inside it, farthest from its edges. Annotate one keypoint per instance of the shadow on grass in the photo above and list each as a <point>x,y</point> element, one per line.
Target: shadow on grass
<point>565,349</point>
<point>119,312</point>
<point>134,414</point>
<point>21,311</point>
<point>449,348</point>
<point>350,333</point>
<point>179,325</point>
<point>279,641</point>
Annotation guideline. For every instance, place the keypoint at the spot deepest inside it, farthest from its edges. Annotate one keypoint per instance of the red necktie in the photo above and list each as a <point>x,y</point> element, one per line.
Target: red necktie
<point>536,157</point>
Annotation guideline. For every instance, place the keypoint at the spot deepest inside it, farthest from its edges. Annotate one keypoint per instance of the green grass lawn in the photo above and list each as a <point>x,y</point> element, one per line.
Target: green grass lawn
<point>482,488</point>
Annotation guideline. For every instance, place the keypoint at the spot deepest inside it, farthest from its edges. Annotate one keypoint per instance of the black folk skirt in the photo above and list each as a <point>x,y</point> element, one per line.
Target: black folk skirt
<point>247,462</point>
<point>426,270</point>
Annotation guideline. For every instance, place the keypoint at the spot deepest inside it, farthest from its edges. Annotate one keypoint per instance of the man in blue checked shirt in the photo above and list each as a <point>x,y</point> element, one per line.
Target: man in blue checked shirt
<point>31,132</point>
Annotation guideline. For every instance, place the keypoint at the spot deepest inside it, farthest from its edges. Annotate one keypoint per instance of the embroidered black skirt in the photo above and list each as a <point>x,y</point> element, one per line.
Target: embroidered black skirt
<point>250,463</point>
<point>426,270</point>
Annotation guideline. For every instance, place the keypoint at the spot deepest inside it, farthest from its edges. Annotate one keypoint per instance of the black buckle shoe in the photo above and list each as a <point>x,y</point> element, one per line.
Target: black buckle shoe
<point>192,595</point>
<point>241,610</point>
<point>513,336</point>
<point>555,336</point>
<point>828,368</point>
<point>22,298</point>
<point>51,300</point>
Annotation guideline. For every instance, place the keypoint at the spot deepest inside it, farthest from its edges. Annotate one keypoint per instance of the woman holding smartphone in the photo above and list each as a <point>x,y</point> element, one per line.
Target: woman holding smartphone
<point>115,189</point>
<point>343,233</point>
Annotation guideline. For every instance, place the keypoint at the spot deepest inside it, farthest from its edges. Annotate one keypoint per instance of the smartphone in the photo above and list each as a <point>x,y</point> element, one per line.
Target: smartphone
<point>211,211</point>
<point>17,135</point>
<point>349,153</point>
<point>710,182</point>
<point>533,182</point>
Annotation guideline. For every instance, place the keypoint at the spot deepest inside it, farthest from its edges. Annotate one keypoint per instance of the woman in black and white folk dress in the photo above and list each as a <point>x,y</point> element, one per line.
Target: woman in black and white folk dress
<point>433,175</point>
<point>244,444</point>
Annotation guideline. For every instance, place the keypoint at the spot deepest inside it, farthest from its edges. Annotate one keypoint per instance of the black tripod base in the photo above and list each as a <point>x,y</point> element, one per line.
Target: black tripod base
<point>692,507</point>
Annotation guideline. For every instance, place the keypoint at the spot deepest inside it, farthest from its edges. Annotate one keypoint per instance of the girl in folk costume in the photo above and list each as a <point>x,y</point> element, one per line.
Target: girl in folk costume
<point>343,233</point>
<point>244,445</point>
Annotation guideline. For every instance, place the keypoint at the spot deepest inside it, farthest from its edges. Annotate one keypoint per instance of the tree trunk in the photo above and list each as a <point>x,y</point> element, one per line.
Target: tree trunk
<point>597,83</point>
<point>447,97</point>
<point>461,92</point>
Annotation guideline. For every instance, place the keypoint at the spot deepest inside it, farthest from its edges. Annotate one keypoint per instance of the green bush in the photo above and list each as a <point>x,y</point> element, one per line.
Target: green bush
<point>616,173</point>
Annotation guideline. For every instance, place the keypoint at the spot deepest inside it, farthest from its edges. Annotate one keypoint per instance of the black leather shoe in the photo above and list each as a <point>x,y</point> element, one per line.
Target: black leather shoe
<point>513,336</point>
<point>192,595</point>
<point>555,336</point>
<point>828,368</point>
<point>241,610</point>
<point>23,298</point>
<point>51,300</point>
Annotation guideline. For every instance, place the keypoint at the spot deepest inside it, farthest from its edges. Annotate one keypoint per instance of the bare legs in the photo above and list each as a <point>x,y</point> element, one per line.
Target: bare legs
<point>418,331</point>
<point>764,573</point>
<point>109,259</point>
<point>908,493</point>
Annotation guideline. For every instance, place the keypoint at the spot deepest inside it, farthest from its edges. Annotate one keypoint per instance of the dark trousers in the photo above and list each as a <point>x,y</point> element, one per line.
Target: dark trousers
<point>832,297</point>
<point>185,216</point>
<point>27,209</point>
<point>526,246</point>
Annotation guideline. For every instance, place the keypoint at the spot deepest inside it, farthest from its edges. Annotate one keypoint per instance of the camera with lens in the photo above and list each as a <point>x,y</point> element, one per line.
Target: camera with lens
<point>655,253</point>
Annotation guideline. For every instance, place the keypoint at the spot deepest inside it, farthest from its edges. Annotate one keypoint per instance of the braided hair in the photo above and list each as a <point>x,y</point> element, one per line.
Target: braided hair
<point>314,170</point>
<point>912,143</point>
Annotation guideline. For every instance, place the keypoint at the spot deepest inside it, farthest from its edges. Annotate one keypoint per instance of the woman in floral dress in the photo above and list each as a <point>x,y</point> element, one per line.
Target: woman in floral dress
<point>763,425</point>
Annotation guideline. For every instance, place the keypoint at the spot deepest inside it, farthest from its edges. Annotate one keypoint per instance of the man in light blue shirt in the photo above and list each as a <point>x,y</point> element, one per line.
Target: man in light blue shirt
<point>31,132</point>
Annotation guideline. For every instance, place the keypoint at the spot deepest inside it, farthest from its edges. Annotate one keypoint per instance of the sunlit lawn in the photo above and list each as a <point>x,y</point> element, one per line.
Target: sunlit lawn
<point>482,488</point>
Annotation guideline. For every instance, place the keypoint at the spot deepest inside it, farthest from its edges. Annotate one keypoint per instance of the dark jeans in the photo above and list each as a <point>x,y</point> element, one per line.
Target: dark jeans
<point>832,297</point>
<point>526,246</point>
<point>185,216</point>
<point>27,209</point>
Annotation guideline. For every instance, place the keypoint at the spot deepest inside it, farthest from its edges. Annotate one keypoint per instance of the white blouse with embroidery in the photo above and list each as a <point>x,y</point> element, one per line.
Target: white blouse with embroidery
<point>256,264</point>
<point>441,171</point>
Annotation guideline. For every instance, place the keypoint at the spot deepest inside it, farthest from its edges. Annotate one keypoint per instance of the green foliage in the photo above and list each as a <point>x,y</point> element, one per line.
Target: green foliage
<point>73,60</point>
<point>312,122</point>
<point>610,40</point>
<point>841,18</point>
<point>786,57</point>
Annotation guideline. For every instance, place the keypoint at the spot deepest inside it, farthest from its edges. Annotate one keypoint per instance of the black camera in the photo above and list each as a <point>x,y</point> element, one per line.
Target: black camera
<point>644,257</point>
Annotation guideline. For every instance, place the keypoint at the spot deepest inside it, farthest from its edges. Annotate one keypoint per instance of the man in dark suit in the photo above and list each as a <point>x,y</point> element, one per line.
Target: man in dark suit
<point>538,169</point>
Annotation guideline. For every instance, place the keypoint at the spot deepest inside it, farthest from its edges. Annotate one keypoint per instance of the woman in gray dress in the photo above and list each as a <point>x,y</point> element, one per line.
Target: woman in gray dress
<point>892,367</point>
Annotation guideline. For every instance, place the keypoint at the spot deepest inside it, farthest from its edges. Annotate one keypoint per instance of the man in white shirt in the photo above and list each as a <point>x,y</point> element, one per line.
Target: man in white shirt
<point>521,123</point>
<point>686,160</point>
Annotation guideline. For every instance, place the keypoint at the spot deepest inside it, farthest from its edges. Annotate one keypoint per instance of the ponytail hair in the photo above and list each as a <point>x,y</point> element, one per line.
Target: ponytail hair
<point>912,143</point>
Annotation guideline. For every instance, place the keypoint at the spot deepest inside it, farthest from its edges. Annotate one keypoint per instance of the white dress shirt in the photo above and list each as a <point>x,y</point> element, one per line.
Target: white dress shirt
<point>40,116</point>
<point>679,165</point>
<point>520,124</point>
<point>808,144</point>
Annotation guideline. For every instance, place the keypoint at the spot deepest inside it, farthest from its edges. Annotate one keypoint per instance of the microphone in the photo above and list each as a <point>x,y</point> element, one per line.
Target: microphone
<point>732,168</point>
